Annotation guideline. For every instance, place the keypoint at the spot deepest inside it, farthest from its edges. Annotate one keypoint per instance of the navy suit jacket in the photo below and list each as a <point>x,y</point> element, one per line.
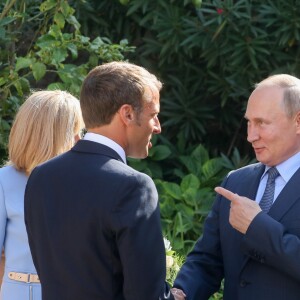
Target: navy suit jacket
<point>94,228</point>
<point>263,264</point>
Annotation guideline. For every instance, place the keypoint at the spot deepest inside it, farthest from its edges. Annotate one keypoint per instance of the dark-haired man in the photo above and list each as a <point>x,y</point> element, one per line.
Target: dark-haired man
<point>93,222</point>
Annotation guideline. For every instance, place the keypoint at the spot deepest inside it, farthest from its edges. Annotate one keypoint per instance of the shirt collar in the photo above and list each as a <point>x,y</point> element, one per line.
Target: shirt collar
<point>98,138</point>
<point>287,168</point>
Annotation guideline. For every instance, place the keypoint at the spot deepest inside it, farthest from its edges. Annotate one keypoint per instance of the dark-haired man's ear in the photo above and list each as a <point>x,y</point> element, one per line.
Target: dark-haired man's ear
<point>126,113</point>
<point>129,116</point>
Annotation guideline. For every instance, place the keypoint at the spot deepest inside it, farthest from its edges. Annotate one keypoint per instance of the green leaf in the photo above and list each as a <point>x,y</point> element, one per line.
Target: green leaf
<point>46,41</point>
<point>124,2</point>
<point>6,21</point>
<point>159,152</point>
<point>96,44</point>
<point>59,19</point>
<point>55,31</point>
<point>189,196</point>
<point>71,74</point>
<point>190,164</point>
<point>18,86</point>
<point>73,49</point>
<point>197,3</point>
<point>2,33</point>
<point>3,80</point>
<point>56,86</point>
<point>83,39</point>
<point>93,60</point>
<point>155,169</point>
<point>137,164</point>
<point>200,154</point>
<point>23,62</point>
<point>5,125</point>
<point>181,226</point>
<point>212,167</point>
<point>73,21</point>
<point>185,211</point>
<point>59,55</point>
<point>75,90</point>
<point>47,5</point>
<point>124,42</point>
<point>39,70</point>
<point>190,181</point>
<point>67,10</point>
<point>172,189</point>
<point>24,84</point>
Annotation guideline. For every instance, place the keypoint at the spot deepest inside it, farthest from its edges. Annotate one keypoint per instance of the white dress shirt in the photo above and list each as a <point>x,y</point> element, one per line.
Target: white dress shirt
<point>101,139</point>
<point>286,170</point>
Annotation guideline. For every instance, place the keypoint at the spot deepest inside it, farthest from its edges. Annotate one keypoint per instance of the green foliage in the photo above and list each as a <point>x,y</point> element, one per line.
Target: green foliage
<point>184,205</point>
<point>174,262</point>
<point>41,46</point>
<point>152,165</point>
<point>209,54</point>
<point>185,178</point>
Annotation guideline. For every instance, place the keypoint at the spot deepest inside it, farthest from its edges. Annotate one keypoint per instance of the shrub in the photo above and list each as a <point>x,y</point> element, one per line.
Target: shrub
<point>41,46</point>
<point>208,55</point>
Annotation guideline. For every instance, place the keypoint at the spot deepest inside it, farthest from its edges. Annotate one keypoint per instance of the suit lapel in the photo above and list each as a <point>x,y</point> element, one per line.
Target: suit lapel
<point>95,148</point>
<point>283,203</point>
<point>251,183</point>
<point>286,198</point>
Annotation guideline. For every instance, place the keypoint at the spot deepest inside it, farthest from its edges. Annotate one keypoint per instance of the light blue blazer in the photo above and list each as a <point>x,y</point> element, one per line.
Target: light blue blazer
<point>13,237</point>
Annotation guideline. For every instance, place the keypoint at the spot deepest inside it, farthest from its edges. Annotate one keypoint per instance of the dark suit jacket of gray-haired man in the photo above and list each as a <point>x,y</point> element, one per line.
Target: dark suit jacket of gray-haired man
<point>93,222</point>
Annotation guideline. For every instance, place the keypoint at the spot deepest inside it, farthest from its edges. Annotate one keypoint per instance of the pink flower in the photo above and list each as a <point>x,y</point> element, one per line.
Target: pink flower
<point>220,11</point>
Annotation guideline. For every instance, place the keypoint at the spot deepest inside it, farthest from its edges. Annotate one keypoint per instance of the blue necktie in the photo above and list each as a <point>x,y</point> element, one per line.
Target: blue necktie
<point>268,196</point>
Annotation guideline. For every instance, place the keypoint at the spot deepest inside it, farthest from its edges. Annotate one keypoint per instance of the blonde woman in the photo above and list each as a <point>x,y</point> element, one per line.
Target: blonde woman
<point>46,125</point>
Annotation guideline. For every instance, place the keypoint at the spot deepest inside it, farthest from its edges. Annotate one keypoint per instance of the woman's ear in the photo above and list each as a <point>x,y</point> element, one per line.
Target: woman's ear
<point>77,137</point>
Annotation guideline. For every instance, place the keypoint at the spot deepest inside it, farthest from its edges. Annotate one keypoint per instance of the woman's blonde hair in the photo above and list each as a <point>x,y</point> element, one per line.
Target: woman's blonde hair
<point>45,126</point>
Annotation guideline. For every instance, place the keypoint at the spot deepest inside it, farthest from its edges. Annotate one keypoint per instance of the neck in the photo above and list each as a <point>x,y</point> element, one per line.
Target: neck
<point>110,131</point>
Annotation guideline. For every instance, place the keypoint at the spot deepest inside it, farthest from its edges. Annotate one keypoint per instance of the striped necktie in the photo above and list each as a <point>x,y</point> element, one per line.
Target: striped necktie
<point>268,196</point>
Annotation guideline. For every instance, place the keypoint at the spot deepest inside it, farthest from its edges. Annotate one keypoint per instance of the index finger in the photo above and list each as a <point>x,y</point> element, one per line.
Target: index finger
<point>226,193</point>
